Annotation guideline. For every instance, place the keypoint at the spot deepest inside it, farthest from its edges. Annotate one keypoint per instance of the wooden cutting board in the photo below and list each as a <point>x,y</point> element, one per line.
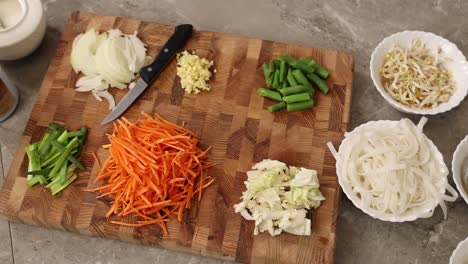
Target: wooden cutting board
<point>231,117</point>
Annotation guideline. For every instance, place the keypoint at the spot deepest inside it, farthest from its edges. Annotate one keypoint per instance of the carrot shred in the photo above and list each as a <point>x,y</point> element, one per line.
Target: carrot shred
<point>154,170</point>
<point>96,159</point>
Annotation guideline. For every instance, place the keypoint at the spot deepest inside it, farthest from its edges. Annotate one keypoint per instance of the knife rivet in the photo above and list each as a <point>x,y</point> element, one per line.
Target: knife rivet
<point>149,69</point>
<point>166,50</point>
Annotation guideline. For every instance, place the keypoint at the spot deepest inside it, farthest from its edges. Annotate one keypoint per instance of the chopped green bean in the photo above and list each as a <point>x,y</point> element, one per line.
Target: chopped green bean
<point>319,82</point>
<point>270,94</point>
<point>296,89</point>
<point>276,83</point>
<point>285,84</point>
<point>300,106</point>
<point>297,63</point>
<point>277,64</point>
<point>312,92</point>
<point>293,98</point>
<point>290,78</point>
<point>283,71</point>
<point>308,62</point>
<point>321,71</point>
<point>276,107</point>
<point>268,73</point>
<point>287,58</point>
<point>304,67</point>
<point>300,78</point>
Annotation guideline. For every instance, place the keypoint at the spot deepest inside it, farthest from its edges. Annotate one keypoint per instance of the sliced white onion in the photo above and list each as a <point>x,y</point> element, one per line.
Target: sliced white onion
<point>83,50</point>
<point>86,84</point>
<point>94,92</point>
<point>106,59</point>
<point>84,89</point>
<point>106,95</point>
<point>140,52</point>
<point>73,54</point>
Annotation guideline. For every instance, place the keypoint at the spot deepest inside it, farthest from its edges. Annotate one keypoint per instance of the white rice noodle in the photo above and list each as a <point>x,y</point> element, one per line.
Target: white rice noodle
<point>393,171</point>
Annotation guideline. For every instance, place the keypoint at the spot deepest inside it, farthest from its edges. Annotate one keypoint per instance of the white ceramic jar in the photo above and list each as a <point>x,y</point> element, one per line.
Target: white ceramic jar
<point>22,27</point>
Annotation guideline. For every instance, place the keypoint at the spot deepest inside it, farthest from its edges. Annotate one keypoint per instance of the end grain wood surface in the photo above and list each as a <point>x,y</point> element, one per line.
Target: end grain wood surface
<point>231,117</point>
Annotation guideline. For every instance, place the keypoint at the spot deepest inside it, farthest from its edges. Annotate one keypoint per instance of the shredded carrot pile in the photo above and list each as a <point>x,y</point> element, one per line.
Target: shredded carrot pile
<point>153,171</point>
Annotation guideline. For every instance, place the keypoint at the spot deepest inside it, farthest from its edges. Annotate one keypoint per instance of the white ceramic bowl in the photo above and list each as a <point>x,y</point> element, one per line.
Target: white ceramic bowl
<point>422,212</point>
<point>457,66</point>
<point>26,30</point>
<point>460,254</point>
<point>457,171</point>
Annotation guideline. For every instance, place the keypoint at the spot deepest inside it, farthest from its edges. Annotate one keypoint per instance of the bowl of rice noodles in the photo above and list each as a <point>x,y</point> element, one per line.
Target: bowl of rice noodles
<point>392,171</point>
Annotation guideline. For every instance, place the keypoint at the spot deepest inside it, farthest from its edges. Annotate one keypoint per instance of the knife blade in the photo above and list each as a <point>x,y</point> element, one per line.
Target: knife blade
<point>149,73</point>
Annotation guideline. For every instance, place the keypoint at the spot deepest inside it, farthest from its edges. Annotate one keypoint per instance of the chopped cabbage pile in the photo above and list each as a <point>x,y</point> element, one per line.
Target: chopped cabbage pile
<point>278,197</point>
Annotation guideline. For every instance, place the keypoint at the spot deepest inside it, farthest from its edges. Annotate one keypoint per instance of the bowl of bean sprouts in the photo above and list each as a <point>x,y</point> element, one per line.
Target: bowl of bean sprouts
<point>419,72</point>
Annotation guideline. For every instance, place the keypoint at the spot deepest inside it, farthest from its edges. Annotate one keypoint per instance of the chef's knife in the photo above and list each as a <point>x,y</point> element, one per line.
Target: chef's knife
<point>148,73</point>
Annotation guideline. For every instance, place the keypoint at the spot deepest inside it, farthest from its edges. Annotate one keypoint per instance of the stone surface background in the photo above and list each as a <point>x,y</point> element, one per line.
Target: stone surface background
<point>352,25</point>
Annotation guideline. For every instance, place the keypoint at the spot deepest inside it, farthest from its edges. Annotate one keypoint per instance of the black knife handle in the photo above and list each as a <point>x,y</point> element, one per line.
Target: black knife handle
<point>181,34</point>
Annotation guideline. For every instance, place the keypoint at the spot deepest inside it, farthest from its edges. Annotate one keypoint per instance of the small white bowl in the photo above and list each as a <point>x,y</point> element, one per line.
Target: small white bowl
<point>422,212</point>
<point>460,154</point>
<point>460,254</point>
<point>25,31</point>
<point>457,66</point>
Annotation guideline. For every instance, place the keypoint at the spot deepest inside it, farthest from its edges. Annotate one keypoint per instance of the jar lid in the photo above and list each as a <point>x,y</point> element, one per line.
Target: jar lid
<point>24,18</point>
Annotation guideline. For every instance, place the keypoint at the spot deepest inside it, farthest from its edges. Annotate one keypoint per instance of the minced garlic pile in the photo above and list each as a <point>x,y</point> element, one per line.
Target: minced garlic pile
<point>194,72</point>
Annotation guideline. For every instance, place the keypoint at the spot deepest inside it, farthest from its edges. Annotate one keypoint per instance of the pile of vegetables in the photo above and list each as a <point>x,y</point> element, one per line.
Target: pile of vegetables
<point>194,72</point>
<point>107,59</point>
<point>53,160</point>
<point>154,170</point>
<point>278,198</point>
<point>415,78</point>
<point>293,82</point>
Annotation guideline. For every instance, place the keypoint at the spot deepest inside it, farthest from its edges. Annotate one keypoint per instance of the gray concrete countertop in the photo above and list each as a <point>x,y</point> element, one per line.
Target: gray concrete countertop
<point>352,25</point>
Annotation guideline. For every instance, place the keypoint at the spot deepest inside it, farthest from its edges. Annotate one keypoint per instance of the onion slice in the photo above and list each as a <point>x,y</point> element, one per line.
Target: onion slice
<point>107,59</point>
